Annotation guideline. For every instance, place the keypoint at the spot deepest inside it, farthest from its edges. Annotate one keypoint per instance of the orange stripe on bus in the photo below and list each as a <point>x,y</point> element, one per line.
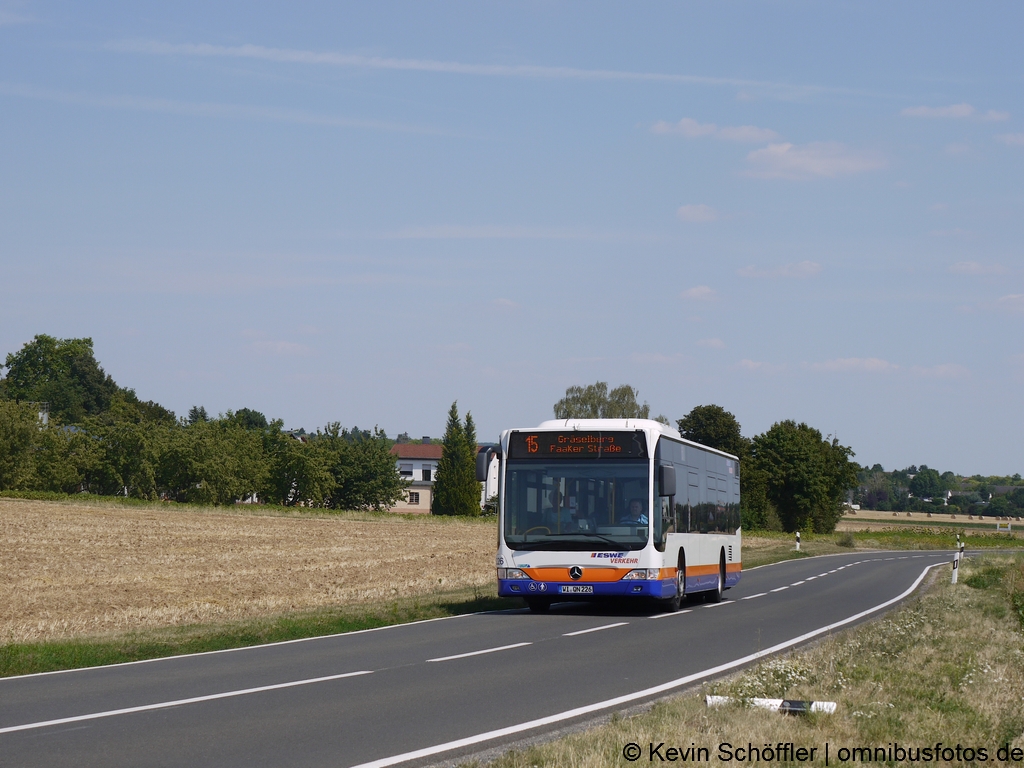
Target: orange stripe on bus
<point>589,574</point>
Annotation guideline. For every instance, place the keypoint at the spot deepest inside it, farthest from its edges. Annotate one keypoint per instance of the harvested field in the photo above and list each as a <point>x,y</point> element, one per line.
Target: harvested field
<point>69,569</point>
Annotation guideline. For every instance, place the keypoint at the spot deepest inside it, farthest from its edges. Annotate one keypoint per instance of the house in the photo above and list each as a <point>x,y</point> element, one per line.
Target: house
<point>417,462</point>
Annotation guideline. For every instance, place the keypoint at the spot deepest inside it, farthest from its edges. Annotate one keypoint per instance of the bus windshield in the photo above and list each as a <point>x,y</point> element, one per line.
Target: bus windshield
<point>577,505</point>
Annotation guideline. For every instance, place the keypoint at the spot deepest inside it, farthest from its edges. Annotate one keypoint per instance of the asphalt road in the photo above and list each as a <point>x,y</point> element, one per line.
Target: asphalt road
<point>434,689</point>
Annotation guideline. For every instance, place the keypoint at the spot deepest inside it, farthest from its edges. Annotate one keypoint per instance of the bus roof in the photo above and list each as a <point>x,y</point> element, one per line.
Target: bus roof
<point>649,425</point>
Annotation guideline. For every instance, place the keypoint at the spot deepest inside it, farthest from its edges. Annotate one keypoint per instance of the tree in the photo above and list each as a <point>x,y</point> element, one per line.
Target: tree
<point>806,475</point>
<point>456,490</point>
<point>299,472</point>
<point>61,372</point>
<point>596,402</point>
<point>715,427</point>
<point>247,418</point>
<point>196,414</point>
<point>926,483</point>
<point>364,471</point>
<point>19,430</point>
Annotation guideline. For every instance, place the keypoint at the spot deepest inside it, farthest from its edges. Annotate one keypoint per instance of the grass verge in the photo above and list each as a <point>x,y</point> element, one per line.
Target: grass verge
<point>28,658</point>
<point>946,667</point>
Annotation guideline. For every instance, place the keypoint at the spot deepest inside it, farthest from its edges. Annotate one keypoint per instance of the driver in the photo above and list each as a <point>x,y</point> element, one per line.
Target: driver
<point>635,515</point>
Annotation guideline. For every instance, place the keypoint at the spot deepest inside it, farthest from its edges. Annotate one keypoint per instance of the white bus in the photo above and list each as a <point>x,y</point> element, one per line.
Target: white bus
<point>624,508</point>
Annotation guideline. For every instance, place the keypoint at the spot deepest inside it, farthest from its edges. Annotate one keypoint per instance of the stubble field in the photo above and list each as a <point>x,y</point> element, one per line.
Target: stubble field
<point>70,570</point>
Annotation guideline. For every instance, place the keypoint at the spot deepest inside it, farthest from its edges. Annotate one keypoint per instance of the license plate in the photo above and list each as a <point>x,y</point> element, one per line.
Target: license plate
<point>577,589</point>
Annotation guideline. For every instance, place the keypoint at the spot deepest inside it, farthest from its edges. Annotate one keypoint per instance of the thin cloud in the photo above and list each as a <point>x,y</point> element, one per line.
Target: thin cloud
<point>358,61</point>
<point>956,112</point>
<point>654,358</point>
<point>285,348</point>
<point>700,293</point>
<point>799,269</point>
<point>757,366</point>
<point>505,304</point>
<point>9,19</point>
<point>823,159</point>
<point>854,365</point>
<point>498,232</point>
<point>974,268</point>
<point>697,213</point>
<point>691,129</point>
<point>1011,139</point>
<point>204,109</point>
<point>941,371</point>
<point>711,343</point>
<point>1011,303</point>
<point>953,110</point>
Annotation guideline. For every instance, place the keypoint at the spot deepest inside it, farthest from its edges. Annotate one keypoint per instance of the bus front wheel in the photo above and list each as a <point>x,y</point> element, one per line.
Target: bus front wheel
<point>673,603</point>
<point>538,604</point>
<point>715,595</point>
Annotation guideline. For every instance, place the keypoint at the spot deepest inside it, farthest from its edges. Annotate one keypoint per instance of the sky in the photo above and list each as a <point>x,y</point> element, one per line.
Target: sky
<point>362,212</point>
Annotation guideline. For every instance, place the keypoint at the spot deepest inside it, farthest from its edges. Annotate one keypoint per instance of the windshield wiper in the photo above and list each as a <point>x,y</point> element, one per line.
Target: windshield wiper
<point>591,535</point>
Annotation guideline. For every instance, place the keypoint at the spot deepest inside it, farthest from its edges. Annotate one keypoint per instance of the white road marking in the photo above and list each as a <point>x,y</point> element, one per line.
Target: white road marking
<point>833,570</point>
<point>796,583</point>
<point>663,615</point>
<point>595,629</point>
<point>645,693</point>
<point>810,578</point>
<point>778,590</point>
<point>186,656</point>
<point>179,702</point>
<point>890,558</point>
<point>718,605</point>
<point>478,653</point>
<point>751,597</point>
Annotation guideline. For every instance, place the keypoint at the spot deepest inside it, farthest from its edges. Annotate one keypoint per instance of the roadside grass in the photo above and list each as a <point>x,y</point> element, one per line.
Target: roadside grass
<point>946,667</point>
<point>763,548</point>
<point>28,658</point>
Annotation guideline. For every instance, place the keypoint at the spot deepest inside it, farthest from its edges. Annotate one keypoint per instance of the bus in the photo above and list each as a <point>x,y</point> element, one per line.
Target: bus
<point>593,509</point>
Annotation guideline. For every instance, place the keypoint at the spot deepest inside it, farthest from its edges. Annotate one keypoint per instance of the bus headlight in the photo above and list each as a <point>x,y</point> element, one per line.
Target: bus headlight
<point>642,574</point>
<point>511,573</point>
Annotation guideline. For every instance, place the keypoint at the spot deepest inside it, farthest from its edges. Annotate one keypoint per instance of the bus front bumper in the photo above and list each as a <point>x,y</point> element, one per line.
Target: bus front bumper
<point>660,589</point>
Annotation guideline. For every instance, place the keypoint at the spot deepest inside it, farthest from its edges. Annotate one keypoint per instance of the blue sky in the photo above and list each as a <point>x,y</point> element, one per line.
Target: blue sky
<point>360,212</point>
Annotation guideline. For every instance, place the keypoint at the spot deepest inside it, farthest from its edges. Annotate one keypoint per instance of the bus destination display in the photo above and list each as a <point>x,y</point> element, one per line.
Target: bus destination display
<point>577,445</point>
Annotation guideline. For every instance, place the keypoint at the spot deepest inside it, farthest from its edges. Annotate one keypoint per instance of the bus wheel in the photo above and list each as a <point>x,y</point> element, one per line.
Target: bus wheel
<point>538,604</point>
<point>672,604</point>
<point>715,595</point>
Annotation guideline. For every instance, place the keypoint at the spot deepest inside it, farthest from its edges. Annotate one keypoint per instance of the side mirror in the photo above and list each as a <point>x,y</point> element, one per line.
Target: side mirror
<point>483,462</point>
<point>666,480</point>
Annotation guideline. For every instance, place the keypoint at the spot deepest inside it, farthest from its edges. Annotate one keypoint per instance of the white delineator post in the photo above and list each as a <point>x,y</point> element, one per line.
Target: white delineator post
<point>798,541</point>
<point>956,566</point>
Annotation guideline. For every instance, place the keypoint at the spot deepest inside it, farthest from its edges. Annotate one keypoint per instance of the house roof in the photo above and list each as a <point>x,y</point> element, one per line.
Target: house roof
<point>416,451</point>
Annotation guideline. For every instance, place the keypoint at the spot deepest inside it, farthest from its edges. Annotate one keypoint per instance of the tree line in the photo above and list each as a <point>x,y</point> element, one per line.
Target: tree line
<point>791,478</point>
<point>923,489</point>
<point>101,438</point>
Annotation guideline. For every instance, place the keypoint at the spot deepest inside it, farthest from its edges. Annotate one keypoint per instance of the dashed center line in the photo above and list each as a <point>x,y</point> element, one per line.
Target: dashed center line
<point>478,653</point>
<point>796,583</point>
<point>663,615</point>
<point>779,589</point>
<point>718,605</point>
<point>595,629</point>
<point>810,578</point>
<point>751,597</point>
